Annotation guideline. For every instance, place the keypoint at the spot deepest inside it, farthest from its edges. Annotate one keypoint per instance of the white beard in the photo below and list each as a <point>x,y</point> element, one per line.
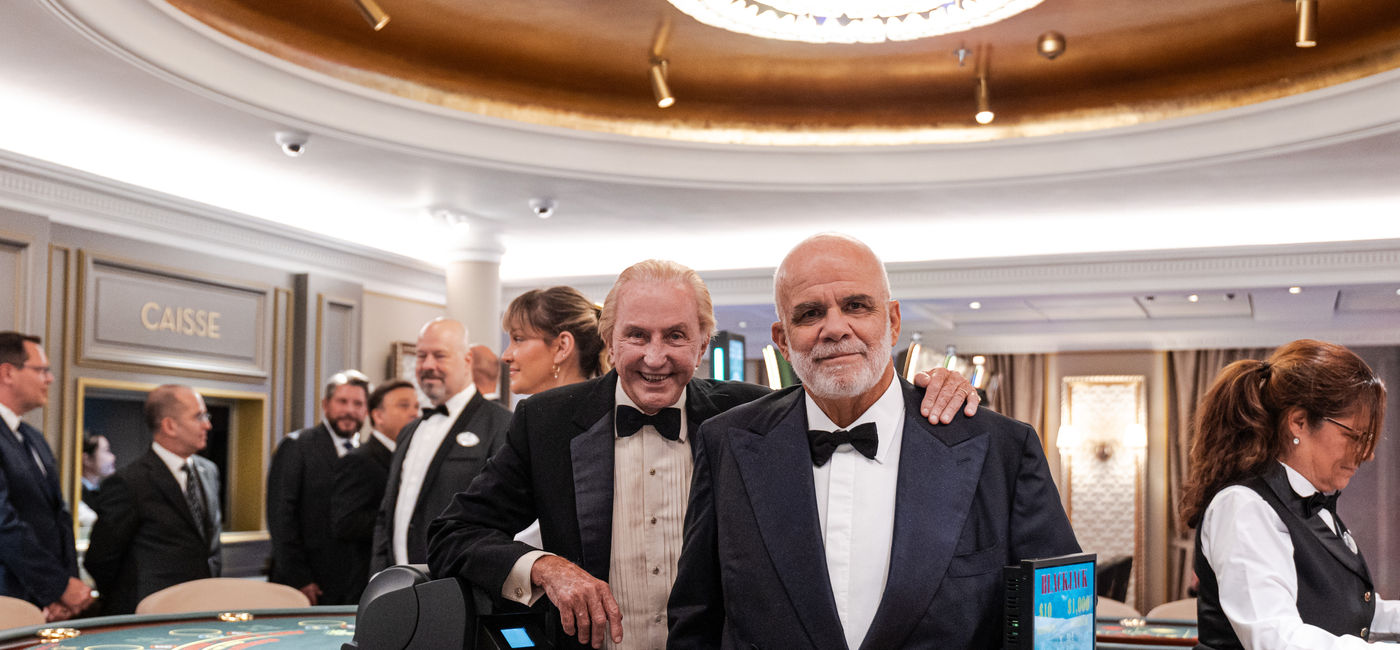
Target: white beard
<point>852,384</point>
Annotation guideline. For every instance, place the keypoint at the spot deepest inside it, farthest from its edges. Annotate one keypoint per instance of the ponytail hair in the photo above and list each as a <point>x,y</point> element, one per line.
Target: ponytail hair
<point>556,310</point>
<point>1241,422</point>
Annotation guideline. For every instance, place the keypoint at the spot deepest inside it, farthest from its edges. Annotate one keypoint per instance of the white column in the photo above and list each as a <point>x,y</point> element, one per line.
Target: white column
<point>474,281</point>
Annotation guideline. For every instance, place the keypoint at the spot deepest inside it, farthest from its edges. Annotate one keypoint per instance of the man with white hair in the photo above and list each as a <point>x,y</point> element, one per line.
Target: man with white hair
<point>437,455</point>
<point>832,515</point>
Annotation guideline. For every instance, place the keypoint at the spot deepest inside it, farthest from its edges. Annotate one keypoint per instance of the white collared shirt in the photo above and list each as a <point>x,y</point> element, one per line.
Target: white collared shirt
<point>856,509</point>
<point>384,440</point>
<point>421,450</point>
<point>339,442</point>
<point>174,462</point>
<point>13,421</point>
<point>1248,547</point>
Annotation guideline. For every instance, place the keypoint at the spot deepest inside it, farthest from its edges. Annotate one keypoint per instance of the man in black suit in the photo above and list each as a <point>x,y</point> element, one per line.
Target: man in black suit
<point>37,560</point>
<point>831,515</point>
<point>605,466</point>
<point>361,475</point>
<point>440,453</point>
<point>305,553</point>
<point>158,518</point>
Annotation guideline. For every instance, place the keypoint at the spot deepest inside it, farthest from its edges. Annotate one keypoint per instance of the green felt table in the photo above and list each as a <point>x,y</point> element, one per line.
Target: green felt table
<point>1153,633</point>
<point>313,628</point>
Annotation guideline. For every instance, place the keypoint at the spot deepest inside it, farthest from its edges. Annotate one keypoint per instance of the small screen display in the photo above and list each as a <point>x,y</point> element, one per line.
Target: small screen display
<point>1064,607</point>
<point>517,637</point>
<point>736,360</point>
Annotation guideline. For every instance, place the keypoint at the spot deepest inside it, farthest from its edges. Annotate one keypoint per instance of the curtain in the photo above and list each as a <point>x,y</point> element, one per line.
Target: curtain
<point>1017,387</point>
<point>1189,374</point>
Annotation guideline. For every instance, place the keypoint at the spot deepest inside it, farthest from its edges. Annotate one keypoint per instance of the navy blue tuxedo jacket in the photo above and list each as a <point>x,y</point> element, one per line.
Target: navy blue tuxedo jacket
<point>36,527</point>
<point>972,496</point>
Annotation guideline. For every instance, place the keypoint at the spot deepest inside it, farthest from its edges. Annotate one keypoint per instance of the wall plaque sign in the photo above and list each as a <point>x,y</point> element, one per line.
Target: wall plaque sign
<point>168,319</point>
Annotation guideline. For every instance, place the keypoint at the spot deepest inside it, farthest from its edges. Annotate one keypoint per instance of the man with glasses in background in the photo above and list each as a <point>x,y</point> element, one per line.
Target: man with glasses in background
<point>158,518</point>
<point>38,562</point>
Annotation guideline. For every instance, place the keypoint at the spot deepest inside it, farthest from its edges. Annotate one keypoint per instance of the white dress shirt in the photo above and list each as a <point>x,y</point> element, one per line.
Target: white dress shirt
<point>174,462</point>
<point>339,442</point>
<point>13,420</point>
<point>1248,547</point>
<point>384,440</point>
<point>421,449</point>
<point>856,508</point>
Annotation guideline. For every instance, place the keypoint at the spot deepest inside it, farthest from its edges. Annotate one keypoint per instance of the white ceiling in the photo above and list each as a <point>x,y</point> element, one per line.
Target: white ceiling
<point>136,93</point>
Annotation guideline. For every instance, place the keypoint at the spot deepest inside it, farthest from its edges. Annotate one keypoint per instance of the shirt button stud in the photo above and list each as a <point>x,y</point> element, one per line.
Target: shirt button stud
<point>653,522</point>
<point>653,472</point>
<point>655,570</point>
<point>658,618</point>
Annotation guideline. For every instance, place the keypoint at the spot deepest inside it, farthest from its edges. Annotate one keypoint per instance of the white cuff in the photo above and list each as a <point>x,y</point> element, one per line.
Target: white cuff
<point>517,586</point>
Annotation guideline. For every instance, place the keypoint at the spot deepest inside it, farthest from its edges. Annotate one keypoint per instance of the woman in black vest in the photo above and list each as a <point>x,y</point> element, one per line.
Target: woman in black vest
<point>1276,441</point>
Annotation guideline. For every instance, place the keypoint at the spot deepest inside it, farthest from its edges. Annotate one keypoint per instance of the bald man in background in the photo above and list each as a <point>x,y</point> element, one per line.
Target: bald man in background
<point>439,453</point>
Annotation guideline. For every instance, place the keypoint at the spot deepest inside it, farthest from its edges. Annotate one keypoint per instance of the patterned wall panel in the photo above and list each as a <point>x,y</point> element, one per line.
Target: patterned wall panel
<point>1103,491</point>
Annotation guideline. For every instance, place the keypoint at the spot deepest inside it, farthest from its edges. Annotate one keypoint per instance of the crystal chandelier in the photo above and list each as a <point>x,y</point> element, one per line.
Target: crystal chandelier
<point>850,21</point>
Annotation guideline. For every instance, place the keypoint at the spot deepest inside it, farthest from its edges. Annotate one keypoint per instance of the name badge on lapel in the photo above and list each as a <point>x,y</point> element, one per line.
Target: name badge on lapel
<point>468,439</point>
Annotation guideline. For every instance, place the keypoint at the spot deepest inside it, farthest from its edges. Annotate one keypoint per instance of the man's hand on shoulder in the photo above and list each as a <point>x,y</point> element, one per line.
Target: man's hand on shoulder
<point>944,392</point>
<point>586,606</point>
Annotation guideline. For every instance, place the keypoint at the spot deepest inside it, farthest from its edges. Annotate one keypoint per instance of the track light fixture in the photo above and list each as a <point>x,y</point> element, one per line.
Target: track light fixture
<point>373,14</point>
<point>984,101</point>
<point>1307,23</point>
<point>659,88</point>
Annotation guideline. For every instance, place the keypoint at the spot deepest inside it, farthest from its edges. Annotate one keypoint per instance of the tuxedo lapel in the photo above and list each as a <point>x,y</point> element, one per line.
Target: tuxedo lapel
<point>939,468</point>
<point>169,488</point>
<point>591,454</point>
<point>458,426</point>
<point>24,458</point>
<point>775,462</point>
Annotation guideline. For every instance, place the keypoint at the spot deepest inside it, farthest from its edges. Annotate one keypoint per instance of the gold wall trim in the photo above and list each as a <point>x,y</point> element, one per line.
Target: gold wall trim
<point>426,303</point>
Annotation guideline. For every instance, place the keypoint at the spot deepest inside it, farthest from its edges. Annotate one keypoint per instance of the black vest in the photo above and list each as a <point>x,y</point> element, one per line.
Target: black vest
<point>1334,585</point>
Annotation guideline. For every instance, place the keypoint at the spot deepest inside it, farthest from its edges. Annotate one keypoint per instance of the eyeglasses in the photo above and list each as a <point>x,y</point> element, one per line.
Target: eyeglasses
<point>202,416</point>
<point>1363,438</point>
<point>44,371</point>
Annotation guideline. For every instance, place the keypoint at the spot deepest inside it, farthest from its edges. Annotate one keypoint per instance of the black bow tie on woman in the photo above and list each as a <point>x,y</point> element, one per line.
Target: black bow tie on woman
<point>861,436</point>
<point>1319,501</point>
<point>667,422</point>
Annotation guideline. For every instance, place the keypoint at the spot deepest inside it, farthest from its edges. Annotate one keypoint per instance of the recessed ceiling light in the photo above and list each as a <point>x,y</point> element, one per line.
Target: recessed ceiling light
<point>1295,290</point>
<point>977,305</point>
<point>1193,298</point>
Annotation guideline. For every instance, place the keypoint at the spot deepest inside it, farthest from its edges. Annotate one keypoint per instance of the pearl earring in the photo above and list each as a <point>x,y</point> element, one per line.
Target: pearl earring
<point>1296,441</point>
<point>556,376</point>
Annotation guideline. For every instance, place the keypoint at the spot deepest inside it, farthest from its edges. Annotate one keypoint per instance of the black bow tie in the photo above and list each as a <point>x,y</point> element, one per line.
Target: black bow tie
<point>430,411</point>
<point>824,443</point>
<point>667,422</point>
<point>1319,501</point>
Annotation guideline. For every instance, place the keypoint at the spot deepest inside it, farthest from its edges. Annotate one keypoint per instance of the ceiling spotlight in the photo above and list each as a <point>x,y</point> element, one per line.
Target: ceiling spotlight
<point>1307,23</point>
<point>1050,44</point>
<point>373,14</point>
<point>543,208</point>
<point>293,143</point>
<point>984,102</point>
<point>659,88</point>
<point>1295,290</point>
<point>974,305</point>
<point>1193,298</point>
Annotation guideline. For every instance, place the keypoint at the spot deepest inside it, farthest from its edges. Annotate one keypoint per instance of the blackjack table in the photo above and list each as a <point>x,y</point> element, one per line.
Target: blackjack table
<point>311,628</point>
<point>1140,634</point>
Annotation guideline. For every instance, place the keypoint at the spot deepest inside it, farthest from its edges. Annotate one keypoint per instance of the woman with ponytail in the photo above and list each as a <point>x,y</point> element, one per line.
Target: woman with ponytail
<point>1276,441</point>
<point>554,340</point>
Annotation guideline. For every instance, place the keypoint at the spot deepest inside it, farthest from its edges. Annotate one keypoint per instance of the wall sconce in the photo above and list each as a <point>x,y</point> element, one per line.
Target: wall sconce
<point>1067,439</point>
<point>1135,437</point>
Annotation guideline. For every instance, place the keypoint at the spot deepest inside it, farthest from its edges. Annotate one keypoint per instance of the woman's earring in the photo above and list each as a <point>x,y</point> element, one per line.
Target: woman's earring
<point>1296,441</point>
<point>556,376</point>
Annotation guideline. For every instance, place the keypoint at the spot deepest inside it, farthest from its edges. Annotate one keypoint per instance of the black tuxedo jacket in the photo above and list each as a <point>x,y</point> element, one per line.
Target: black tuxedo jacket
<point>972,496</point>
<point>145,538</point>
<point>36,527</point>
<point>360,477</point>
<point>299,487</point>
<point>557,466</point>
<point>451,471</point>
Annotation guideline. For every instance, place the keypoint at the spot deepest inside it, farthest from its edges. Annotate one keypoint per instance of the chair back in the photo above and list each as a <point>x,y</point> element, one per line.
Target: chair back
<point>1110,608</point>
<point>19,613</point>
<point>1184,609</point>
<point>221,594</point>
<point>1113,576</point>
